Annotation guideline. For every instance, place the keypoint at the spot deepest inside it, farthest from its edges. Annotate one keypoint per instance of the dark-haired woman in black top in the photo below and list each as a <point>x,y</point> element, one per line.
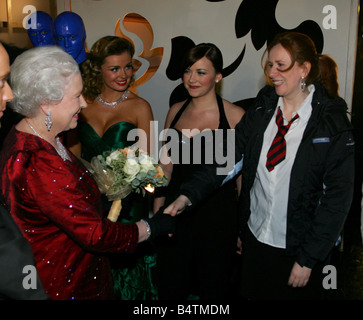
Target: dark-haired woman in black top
<point>197,259</point>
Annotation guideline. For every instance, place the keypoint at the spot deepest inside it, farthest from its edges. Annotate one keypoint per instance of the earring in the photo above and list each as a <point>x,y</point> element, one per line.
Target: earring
<point>48,121</point>
<point>302,84</point>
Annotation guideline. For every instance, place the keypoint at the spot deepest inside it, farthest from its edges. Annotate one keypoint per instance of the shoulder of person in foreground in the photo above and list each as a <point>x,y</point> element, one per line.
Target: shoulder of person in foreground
<point>18,277</point>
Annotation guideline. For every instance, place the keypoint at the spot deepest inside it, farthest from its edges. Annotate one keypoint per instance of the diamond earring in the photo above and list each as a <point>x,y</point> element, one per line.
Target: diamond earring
<point>48,121</point>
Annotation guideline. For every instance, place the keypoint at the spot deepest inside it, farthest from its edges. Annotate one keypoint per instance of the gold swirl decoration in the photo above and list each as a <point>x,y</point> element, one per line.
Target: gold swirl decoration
<point>138,25</point>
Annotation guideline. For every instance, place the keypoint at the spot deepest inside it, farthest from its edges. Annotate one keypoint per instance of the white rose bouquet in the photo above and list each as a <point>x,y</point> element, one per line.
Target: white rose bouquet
<point>122,171</point>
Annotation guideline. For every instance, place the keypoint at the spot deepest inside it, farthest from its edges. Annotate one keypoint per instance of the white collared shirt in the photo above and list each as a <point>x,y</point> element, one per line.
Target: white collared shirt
<point>269,193</point>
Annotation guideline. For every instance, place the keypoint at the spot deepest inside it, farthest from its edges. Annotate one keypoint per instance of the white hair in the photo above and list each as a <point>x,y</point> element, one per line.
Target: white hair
<point>39,76</point>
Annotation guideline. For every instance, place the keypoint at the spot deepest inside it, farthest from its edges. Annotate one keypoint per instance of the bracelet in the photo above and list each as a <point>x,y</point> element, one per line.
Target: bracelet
<point>148,229</point>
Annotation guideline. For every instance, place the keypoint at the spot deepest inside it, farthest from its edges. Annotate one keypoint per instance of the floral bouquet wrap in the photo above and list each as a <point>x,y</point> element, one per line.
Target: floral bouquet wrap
<point>120,172</point>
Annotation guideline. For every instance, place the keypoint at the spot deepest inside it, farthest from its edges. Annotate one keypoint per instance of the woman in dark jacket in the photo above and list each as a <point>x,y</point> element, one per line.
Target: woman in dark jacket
<point>297,150</point>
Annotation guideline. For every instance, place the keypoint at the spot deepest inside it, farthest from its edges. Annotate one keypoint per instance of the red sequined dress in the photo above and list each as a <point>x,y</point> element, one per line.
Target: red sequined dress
<point>57,206</point>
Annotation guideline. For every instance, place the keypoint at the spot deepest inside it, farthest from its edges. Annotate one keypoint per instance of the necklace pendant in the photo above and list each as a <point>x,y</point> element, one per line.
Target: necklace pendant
<point>61,150</point>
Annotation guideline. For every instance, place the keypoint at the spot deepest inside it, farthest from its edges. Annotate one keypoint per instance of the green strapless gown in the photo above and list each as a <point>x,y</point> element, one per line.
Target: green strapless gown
<point>132,273</point>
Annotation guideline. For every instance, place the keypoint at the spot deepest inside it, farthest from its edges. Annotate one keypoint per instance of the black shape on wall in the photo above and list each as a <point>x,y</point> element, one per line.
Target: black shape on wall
<point>258,16</point>
<point>179,46</point>
<point>234,65</point>
<point>178,94</point>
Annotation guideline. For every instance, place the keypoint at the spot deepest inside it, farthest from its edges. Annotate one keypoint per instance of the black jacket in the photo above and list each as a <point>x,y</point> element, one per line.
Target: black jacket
<point>15,254</point>
<point>321,183</point>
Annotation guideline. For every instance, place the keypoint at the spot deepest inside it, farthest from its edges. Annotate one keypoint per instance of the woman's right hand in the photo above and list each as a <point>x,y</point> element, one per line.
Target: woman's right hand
<point>178,206</point>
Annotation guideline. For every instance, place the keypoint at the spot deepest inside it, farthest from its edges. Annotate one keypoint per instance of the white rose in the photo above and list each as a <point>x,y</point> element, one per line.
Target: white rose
<point>113,156</point>
<point>146,163</point>
<point>131,169</point>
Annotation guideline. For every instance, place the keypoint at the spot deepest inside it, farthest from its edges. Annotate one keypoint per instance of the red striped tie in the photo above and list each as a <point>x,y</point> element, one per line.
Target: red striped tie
<point>277,151</point>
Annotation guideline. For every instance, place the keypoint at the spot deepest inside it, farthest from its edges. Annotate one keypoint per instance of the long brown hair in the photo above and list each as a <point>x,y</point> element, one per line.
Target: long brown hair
<point>329,74</point>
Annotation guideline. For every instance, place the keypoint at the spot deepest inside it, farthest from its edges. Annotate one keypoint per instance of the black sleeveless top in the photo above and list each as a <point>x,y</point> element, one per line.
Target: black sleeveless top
<point>192,154</point>
<point>200,148</point>
<point>223,122</point>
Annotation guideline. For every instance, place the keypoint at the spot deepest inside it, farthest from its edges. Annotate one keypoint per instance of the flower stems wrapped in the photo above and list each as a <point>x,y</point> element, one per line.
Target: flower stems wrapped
<point>115,210</point>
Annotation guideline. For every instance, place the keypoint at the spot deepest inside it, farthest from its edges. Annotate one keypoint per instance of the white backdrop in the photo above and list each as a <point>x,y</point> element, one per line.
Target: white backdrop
<point>204,21</point>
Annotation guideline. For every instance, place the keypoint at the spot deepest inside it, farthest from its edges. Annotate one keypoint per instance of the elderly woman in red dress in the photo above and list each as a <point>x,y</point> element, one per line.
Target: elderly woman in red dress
<point>52,198</point>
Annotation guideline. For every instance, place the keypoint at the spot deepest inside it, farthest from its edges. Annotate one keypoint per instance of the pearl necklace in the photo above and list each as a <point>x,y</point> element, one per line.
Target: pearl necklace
<point>114,103</point>
<point>61,150</point>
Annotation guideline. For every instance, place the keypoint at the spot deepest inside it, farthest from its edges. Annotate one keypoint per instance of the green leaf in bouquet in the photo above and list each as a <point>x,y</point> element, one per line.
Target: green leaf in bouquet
<point>135,183</point>
<point>151,174</point>
<point>141,175</point>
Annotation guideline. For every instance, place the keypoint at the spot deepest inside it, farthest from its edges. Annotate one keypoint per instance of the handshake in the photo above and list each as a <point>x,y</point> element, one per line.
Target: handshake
<point>163,221</point>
